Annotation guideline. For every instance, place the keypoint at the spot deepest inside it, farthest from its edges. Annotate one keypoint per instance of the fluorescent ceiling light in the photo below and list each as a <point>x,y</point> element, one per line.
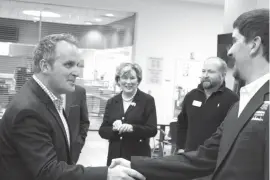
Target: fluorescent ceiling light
<point>88,22</point>
<point>109,15</point>
<point>36,18</point>
<point>98,20</point>
<point>43,13</point>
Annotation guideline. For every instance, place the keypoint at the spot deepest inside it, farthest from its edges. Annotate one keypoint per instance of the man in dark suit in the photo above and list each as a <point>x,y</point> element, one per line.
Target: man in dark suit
<point>239,149</point>
<point>35,137</point>
<point>77,118</point>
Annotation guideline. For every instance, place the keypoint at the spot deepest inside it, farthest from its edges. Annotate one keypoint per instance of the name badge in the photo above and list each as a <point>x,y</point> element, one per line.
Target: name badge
<point>259,114</point>
<point>197,103</point>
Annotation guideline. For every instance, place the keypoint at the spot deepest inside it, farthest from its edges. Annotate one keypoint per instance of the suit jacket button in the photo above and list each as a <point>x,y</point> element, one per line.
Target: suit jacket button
<point>121,138</point>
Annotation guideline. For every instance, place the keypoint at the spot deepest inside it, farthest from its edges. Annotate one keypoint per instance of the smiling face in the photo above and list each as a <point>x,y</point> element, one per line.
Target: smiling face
<point>62,73</point>
<point>240,52</point>
<point>212,75</point>
<point>128,80</point>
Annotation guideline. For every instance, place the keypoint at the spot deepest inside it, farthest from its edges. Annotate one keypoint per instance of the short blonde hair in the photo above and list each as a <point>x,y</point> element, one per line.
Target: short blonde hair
<point>223,65</point>
<point>45,49</point>
<point>133,66</point>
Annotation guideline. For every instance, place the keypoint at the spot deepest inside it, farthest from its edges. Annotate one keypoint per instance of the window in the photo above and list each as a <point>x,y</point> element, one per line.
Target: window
<point>105,40</point>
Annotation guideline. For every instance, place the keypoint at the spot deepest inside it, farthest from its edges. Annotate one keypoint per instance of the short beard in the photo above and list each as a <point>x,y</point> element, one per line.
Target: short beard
<point>207,86</point>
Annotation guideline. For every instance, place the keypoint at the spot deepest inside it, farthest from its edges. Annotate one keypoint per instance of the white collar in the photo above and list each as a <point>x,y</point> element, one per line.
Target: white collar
<point>254,86</point>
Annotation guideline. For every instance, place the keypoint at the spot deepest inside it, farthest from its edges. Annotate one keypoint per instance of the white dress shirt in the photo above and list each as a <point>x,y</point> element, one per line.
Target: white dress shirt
<point>55,101</point>
<point>64,100</point>
<point>248,91</point>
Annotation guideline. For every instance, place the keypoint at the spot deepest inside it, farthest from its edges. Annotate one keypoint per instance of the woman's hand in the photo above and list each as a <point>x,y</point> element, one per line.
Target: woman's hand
<point>116,125</point>
<point>125,128</point>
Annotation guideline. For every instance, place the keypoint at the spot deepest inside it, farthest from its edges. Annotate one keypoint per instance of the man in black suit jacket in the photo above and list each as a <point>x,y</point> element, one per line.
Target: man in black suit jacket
<point>77,118</point>
<point>239,149</point>
<point>35,137</point>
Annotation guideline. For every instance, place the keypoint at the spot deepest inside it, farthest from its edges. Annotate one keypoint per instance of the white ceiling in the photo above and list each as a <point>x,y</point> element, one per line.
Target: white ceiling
<point>213,2</point>
<point>69,15</point>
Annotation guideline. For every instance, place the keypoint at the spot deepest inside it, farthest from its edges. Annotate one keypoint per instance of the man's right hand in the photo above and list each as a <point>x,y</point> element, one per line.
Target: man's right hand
<point>123,173</point>
<point>121,162</point>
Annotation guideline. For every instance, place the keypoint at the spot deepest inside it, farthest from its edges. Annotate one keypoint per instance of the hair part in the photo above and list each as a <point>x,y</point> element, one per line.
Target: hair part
<point>45,49</point>
<point>252,24</point>
<point>133,66</point>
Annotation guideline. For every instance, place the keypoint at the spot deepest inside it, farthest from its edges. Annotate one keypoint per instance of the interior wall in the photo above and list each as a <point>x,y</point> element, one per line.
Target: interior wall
<point>169,29</point>
<point>172,32</point>
<point>262,3</point>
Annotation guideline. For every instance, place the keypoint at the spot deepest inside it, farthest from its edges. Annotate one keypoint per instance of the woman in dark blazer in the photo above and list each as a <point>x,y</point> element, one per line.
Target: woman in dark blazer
<point>130,117</point>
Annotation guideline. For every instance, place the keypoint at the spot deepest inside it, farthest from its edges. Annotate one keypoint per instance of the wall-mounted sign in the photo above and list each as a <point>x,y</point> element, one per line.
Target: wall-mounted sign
<point>154,70</point>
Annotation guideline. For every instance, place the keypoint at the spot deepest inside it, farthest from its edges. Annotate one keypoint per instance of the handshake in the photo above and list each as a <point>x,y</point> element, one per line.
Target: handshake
<point>120,169</point>
<point>121,128</point>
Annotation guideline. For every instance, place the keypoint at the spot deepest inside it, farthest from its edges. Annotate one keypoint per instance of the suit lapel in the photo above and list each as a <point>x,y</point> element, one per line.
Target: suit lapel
<point>70,137</point>
<point>237,124</point>
<point>134,102</point>
<point>119,104</point>
<point>130,107</point>
<point>49,104</point>
<point>54,112</point>
<point>232,118</point>
<point>68,103</point>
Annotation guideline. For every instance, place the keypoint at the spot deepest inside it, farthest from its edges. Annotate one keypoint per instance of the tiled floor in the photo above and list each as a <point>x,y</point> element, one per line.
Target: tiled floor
<point>94,152</point>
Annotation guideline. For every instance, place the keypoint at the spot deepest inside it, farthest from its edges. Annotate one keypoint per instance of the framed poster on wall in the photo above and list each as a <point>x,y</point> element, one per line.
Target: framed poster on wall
<point>154,70</point>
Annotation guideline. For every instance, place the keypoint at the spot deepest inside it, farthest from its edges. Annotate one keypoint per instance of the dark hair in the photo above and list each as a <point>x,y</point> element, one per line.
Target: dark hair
<point>46,48</point>
<point>255,23</point>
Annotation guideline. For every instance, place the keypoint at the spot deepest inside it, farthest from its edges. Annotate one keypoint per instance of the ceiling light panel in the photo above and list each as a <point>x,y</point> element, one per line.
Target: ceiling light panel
<point>109,15</point>
<point>42,13</point>
<point>98,20</point>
